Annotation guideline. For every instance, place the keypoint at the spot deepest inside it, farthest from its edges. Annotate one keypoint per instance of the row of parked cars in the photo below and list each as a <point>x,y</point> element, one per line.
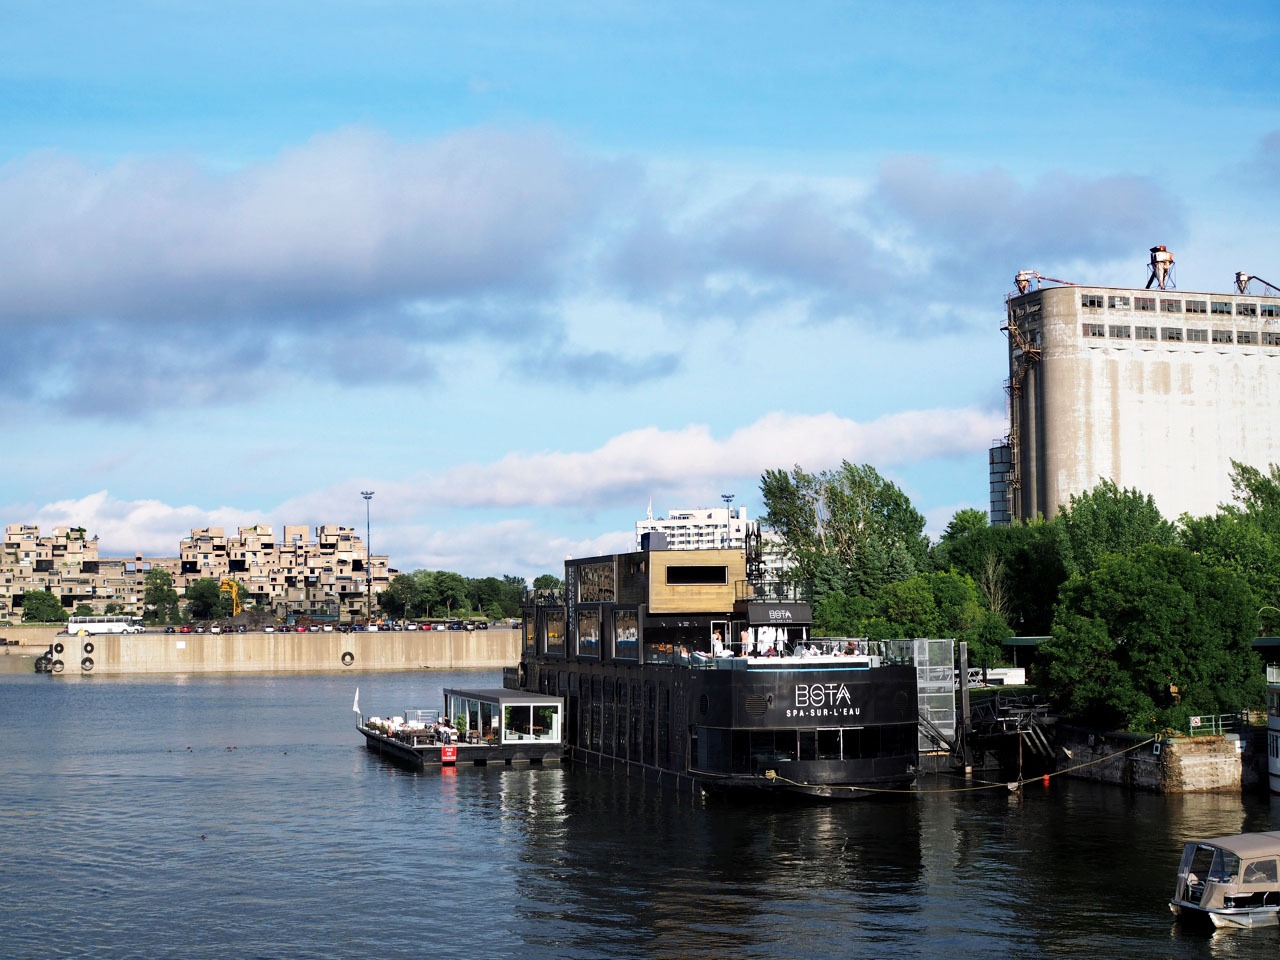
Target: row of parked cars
<point>330,627</point>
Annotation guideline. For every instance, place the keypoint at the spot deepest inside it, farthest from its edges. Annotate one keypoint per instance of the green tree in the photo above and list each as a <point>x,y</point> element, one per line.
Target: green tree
<point>113,608</point>
<point>1148,638</point>
<point>1245,536</point>
<point>1107,519</point>
<point>548,582</point>
<point>206,601</point>
<point>448,592</point>
<point>852,516</point>
<point>963,524</point>
<point>82,610</point>
<point>403,595</point>
<point>40,606</point>
<point>1018,568</point>
<point>159,598</point>
<point>492,594</point>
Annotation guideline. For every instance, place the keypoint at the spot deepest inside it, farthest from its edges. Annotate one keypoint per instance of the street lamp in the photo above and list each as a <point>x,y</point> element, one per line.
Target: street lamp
<point>368,560</point>
<point>1260,609</point>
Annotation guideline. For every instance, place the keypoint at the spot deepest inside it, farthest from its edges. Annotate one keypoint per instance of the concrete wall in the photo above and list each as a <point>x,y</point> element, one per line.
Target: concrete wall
<point>279,652</point>
<point>1207,764</point>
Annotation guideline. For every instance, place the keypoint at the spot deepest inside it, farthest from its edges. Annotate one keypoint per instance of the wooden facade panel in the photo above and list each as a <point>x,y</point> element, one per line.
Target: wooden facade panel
<point>667,597</point>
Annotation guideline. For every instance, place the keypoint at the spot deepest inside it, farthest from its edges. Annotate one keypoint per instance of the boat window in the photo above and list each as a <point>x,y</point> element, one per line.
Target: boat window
<point>703,574</point>
<point>524,722</point>
<point>1261,871</point>
<point>1225,868</point>
<point>626,634</point>
<point>589,632</point>
<point>555,631</point>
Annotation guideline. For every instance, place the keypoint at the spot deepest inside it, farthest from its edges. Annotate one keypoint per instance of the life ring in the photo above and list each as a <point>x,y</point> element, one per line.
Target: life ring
<point>86,664</point>
<point>57,648</point>
<point>88,648</point>
<point>57,666</point>
<point>348,658</point>
<point>522,673</point>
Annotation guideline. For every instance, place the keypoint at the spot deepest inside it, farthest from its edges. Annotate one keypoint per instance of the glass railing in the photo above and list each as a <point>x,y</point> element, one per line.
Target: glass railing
<point>773,591</point>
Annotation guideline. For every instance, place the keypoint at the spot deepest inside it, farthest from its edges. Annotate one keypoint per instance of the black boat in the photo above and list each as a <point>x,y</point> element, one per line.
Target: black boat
<point>689,667</point>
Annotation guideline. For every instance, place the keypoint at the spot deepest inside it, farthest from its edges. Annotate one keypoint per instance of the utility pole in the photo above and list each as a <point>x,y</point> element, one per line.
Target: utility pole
<point>368,559</point>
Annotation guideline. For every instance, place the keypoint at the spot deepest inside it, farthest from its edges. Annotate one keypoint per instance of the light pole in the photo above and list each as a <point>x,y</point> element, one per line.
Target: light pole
<point>368,560</point>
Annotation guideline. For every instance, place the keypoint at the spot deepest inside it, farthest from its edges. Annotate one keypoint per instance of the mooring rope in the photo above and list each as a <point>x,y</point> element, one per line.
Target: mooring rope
<point>1012,786</point>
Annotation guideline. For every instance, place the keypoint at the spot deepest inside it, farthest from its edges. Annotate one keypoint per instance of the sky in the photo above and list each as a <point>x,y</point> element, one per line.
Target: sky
<point>524,269</point>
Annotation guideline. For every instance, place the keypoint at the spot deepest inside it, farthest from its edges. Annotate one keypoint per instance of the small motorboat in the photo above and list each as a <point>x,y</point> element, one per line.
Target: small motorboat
<point>1231,881</point>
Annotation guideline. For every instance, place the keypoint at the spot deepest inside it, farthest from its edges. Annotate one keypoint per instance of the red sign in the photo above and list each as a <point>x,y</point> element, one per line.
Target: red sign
<point>448,754</point>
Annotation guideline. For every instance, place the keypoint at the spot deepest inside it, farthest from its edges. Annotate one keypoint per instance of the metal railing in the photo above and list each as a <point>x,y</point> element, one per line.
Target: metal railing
<point>1215,724</point>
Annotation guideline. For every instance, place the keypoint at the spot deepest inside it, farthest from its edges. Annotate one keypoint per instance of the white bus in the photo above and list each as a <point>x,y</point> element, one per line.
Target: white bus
<point>97,625</point>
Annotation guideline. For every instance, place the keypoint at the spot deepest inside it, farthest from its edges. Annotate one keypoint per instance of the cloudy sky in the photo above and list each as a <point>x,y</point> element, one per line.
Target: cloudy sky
<point>524,268</point>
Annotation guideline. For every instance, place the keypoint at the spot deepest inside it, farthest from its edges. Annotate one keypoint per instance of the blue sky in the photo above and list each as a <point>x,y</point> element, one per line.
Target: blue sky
<point>523,268</point>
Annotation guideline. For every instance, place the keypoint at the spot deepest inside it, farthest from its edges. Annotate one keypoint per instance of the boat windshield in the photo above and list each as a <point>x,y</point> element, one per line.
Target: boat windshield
<point>1214,864</point>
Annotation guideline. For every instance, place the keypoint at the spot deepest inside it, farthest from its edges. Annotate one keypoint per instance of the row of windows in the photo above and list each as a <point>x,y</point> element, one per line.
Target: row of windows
<point>1269,338</point>
<point>1094,301</point>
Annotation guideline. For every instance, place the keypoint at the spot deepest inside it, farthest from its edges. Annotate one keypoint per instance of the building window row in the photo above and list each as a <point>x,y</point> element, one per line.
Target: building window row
<point>1266,338</point>
<point>1093,301</point>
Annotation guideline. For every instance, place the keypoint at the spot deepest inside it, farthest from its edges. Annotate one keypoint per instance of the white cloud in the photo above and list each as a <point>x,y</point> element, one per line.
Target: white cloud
<point>438,522</point>
<point>126,527</point>
<point>672,462</point>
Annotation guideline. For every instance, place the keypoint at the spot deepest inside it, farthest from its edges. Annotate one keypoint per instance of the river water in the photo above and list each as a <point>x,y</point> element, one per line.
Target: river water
<point>241,817</point>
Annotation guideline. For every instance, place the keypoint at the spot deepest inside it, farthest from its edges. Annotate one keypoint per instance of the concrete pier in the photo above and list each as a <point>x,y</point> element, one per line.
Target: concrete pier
<point>278,652</point>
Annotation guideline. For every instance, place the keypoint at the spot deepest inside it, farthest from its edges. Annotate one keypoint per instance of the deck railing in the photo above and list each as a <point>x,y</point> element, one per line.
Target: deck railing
<point>773,591</point>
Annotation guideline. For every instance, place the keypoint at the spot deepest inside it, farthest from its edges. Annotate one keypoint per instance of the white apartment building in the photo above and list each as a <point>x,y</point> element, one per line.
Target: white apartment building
<point>709,528</point>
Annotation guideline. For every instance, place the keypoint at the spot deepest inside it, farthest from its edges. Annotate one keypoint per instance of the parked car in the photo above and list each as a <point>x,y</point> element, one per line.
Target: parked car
<point>169,630</point>
<point>268,629</point>
<point>185,628</point>
<point>328,628</point>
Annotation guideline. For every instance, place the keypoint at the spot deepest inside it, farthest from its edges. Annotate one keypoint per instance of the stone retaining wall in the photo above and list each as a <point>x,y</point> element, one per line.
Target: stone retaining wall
<point>1209,764</point>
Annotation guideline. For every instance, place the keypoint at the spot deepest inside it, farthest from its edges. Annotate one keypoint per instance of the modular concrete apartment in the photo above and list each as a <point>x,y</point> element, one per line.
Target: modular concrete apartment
<point>329,575</point>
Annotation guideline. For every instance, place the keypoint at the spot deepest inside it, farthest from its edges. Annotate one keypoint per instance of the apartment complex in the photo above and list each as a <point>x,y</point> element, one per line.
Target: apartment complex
<point>709,528</point>
<point>1155,389</point>
<point>330,575</point>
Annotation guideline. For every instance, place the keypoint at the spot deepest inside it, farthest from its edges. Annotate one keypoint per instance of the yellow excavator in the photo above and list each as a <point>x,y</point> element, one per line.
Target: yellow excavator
<point>227,585</point>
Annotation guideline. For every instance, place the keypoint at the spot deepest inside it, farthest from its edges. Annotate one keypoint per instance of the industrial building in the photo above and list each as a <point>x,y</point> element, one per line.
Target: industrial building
<point>1153,388</point>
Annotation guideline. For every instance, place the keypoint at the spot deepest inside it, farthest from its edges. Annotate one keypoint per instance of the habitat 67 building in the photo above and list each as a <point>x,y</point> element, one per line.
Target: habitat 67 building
<point>1154,388</point>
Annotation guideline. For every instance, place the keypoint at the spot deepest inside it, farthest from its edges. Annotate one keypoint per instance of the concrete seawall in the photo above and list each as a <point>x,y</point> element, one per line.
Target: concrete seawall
<point>272,652</point>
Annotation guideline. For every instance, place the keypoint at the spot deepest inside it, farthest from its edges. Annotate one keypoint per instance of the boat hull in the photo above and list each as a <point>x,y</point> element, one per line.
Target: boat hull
<point>823,730</point>
<point>1238,918</point>
<point>424,755</point>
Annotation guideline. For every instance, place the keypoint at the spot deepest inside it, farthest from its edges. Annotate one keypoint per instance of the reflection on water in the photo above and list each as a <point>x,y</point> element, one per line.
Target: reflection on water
<point>240,816</point>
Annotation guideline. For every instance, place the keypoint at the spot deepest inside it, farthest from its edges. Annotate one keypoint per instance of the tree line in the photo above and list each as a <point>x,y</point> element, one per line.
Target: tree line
<point>421,595</point>
<point>1146,622</point>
